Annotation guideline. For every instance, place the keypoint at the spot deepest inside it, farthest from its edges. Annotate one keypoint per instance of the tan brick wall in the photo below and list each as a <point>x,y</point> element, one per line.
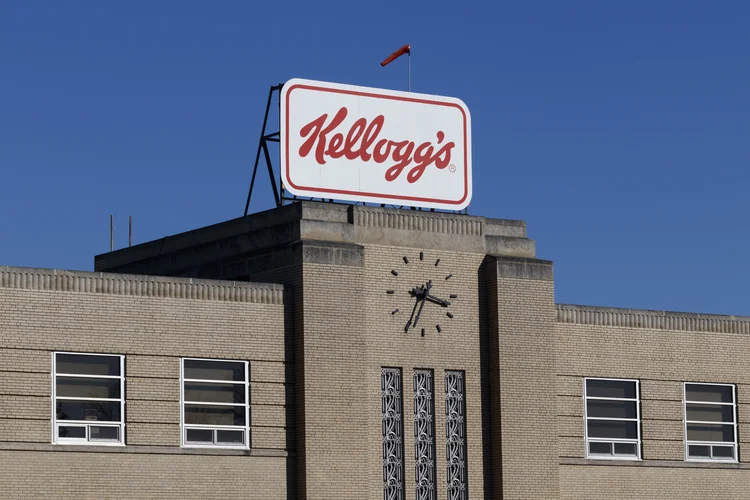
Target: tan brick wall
<point>651,483</point>
<point>153,333</point>
<point>661,360</point>
<point>96,476</point>
<point>457,347</point>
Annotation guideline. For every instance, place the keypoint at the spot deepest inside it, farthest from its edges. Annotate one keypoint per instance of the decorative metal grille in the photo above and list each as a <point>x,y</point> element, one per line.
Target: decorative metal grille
<point>455,435</point>
<point>393,445</point>
<point>424,435</point>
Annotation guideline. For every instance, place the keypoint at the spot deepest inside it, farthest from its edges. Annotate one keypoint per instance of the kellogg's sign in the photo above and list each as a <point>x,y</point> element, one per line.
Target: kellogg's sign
<point>374,145</point>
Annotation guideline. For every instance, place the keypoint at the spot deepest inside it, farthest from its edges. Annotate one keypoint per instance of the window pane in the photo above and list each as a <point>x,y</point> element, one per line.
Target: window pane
<point>215,393</point>
<point>104,433</point>
<point>723,452</point>
<point>615,430</point>
<point>710,393</point>
<point>600,448</point>
<point>88,387</point>
<point>230,437</point>
<point>710,432</point>
<point>626,449</point>
<point>88,410</point>
<point>214,415</point>
<point>610,389</point>
<point>214,370</point>
<point>710,413</point>
<point>612,409</point>
<point>82,364</point>
<point>697,451</point>
<point>199,436</point>
<point>71,432</point>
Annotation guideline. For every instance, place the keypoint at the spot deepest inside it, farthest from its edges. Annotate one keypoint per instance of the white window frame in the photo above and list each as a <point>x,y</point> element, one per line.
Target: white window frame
<point>637,420</point>
<point>184,427</point>
<point>56,424</point>
<point>710,444</point>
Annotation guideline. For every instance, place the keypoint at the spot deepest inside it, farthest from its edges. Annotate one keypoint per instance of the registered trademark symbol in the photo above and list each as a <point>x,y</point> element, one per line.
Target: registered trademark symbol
<point>452,167</point>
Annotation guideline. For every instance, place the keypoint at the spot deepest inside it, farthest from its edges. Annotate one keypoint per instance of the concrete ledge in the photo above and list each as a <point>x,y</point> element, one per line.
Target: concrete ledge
<point>525,268</point>
<point>339,254</point>
<point>142,450</point>
<point>673,464</point>
<point>659,320</point>
<point>510,246</point>
<point>27,278</point>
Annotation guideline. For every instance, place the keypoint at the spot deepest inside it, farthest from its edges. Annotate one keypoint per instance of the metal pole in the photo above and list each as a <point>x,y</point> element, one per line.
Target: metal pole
<point>130,230</point>
<point>111,233</point>
<point>409,70</point>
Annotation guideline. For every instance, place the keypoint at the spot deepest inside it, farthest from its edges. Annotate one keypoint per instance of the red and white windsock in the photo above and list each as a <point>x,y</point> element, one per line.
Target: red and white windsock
<point>406,49</point>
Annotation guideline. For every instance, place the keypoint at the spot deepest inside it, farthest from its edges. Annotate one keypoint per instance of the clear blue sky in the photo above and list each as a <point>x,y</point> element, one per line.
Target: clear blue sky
<point>619,130</point>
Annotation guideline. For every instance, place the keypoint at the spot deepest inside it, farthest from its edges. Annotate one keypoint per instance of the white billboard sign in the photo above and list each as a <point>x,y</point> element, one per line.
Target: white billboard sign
<point>374,145</point>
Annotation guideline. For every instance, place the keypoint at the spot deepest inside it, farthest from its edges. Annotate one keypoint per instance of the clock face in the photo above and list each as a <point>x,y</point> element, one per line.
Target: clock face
<point>419,286</point>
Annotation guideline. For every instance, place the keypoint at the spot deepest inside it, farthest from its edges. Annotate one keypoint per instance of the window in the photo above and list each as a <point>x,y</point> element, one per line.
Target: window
<point>88,391</point>
<point>214,396</point>
<point>613,418</point>
<point>393,432</point>
<point>424,435</point>
<point>455,435</point>
<point>710,422</point>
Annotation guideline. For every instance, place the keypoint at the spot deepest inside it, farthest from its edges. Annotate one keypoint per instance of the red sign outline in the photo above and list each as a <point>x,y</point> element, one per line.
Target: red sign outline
<point>368,194</point>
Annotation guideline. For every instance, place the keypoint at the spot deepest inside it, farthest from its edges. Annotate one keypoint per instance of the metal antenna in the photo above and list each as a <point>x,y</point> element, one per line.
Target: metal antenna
<point>409,72</point>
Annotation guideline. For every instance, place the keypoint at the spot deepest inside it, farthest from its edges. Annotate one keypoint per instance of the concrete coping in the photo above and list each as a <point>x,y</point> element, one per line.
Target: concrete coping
<point>417,221</point>
<point>659,320</point>
<point>28,278</point>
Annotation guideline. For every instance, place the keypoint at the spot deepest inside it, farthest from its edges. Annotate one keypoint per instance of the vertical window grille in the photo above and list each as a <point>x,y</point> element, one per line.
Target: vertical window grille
<point>710,422</point>
<point>455,435</point>
<point>424,435</point>
<point>613,418</point>
<point>393,445</point>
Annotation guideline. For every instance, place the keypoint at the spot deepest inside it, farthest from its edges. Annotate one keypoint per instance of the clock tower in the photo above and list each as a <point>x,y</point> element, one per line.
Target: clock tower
<point>412,336</point>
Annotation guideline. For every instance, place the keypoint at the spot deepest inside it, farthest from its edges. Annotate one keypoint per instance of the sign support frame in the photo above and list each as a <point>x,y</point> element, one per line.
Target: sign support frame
<point>278,192</point>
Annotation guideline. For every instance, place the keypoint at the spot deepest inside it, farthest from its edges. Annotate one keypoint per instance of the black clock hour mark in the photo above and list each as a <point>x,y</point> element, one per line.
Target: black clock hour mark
<point>390,292</point>
<point>406,259</point>
<point>449,276</point>
<point>394,272</point>
<point>450,315</point>
<point>421,255</point>
<point>437,262</point>
<point>422,332</point>
<point>454,296</point>
<point>394,311</point>
<point>437,327</point>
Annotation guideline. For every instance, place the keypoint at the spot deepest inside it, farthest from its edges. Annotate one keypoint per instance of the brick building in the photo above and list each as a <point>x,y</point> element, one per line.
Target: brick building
<point>326,351</point>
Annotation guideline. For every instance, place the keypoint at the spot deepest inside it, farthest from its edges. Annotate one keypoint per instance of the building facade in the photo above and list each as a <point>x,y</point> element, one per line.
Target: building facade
<point>326,351</point>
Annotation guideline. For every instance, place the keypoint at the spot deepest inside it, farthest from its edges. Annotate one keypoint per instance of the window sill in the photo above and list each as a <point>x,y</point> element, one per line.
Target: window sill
<point>654,463</point>
<point>143,450</point>
<point>614,459</point>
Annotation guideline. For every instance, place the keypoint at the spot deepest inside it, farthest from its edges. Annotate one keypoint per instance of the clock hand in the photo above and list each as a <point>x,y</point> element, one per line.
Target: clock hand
<point>438,301</point>
<point>425,293</point>
<point>416,292</point>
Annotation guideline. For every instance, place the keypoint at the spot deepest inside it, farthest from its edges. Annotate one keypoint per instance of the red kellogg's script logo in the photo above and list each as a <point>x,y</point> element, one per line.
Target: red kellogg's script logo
<point>362,142</point>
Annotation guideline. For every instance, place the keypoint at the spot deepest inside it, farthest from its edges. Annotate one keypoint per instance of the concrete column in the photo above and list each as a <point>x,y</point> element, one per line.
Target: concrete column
<point>522,378</point>
<point>331,355</point>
